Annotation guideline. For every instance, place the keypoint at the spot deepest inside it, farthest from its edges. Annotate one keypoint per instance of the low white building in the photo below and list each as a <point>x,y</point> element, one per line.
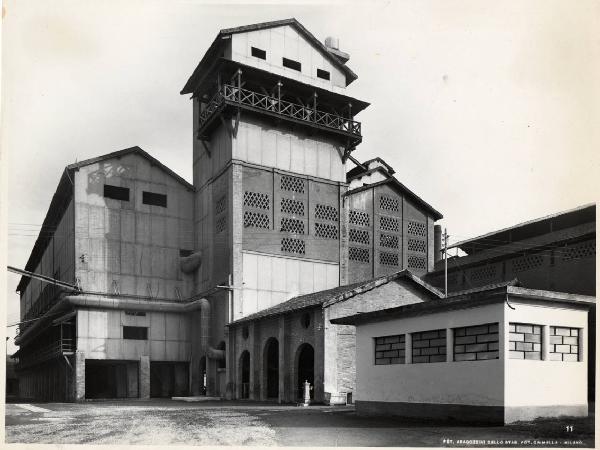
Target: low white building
<point>497,354</point>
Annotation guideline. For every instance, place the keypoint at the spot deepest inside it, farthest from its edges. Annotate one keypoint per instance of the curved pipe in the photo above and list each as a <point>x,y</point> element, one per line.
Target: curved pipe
<point>190,263</point>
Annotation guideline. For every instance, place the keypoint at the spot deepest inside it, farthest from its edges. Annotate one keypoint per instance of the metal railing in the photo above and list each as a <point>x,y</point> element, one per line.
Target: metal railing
<point>285,108</point>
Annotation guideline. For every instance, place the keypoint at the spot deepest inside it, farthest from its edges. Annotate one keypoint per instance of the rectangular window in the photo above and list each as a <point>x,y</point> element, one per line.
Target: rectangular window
<point>564,344</point>
<point>476,343</point>
<point>258,53</point>
<point>291,64</point>
<point>135,313</point>
<point>524,341</point>
<point>323,74</point>
<point>429,346</point>
<point>152,198</point>
<point>390,349</point>
<point>116,192</point>
<point>137,333</point>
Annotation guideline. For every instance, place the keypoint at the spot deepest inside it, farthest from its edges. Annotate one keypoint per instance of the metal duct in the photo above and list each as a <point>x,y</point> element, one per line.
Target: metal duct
<point>190,263</point>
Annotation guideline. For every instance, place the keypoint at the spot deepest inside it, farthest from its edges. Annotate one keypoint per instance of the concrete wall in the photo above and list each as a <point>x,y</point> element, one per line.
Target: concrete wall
<point>269,280</point>
<point>127,244</point>
<point>289,149</point>
<point>539,388</point>
<point>286,42</point>
<point>57,260</point>
<point>456,383</point>
<point>100,335</point>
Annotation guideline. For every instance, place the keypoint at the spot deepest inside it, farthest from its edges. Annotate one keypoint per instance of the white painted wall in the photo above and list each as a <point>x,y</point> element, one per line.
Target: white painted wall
<point>296,151</point>
<point>546,383</point>
<point>374,177</point>
<point>269,280</point>
<point>472,383</point>
<point>100,335</point>
<point>286,42</point>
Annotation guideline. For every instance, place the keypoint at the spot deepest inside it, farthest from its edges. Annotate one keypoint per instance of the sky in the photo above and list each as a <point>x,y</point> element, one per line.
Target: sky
<point>487,110</point>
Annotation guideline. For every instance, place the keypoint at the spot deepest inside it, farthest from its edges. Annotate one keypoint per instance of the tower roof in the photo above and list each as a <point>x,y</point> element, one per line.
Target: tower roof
<point>214,50</point>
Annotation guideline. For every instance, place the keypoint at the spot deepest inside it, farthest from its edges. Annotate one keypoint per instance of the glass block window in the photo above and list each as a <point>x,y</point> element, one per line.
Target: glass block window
<point>484,273</point>
<point>417,245</point>
<point>417,229</point>
<point>220,205</point>
<point>292,184</point>
<point>429,346</point>
<point>358,254</point>
<point>388,240</point>
<point>326,212</point>
<point>417,262</point>
<point>326,230</point>
<point>256,200</point>
<point>388,259</point>
<point>256,220</point>
<point>389,223</point>
<point>221,224</point>
<point>295,226</point>
<point>584,250</point>
<point>564,344</point>
<point>360,218</point>
<point>527,262</point>
<point>290,245</point>
<point>388,203</point>
<point>476,343</point>
<point>390,349</point>
<point>524,341</point>
<point>360,236</point>
<point>289,206</point>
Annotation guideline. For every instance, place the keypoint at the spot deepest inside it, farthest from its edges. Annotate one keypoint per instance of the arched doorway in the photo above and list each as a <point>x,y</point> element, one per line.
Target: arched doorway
<point>305,369</point>
<point>271,368</point>
<point>245,374</point>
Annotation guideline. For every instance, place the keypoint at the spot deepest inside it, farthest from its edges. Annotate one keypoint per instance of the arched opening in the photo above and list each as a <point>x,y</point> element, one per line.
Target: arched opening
<point>245,374</point>
<point>271,368</point>
<point>305,369</point>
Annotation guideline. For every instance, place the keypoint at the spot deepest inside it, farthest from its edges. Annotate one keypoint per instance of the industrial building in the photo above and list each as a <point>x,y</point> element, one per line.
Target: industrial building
<point>230,286</point>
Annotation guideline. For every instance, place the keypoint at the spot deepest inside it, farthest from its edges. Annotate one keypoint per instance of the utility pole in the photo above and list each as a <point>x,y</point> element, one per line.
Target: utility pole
<point>445,263</point>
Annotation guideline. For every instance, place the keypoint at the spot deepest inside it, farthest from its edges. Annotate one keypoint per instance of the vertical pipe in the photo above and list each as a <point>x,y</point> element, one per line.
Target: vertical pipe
<point>445,263</point>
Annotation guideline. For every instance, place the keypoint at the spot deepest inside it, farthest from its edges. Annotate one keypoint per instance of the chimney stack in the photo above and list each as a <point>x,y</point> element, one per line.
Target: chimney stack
<point>333,45</point>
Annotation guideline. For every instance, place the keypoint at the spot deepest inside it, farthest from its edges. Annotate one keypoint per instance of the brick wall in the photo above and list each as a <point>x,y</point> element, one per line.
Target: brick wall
<point>476,342</point>
<point>525,341</point>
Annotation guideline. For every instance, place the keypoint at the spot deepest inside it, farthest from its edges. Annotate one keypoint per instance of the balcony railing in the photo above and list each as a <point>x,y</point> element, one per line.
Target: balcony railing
<point>233,95</point>
<point>49,351</point>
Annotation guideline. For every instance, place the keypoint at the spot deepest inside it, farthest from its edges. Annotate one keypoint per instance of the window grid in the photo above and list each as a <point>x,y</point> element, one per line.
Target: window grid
<point>221,224</point>
<point>585,250</point>
<point>295,226</point>
<point>292,184</point>
<point>358,254</point>
<point>475,343</point>
<point>360,236</point>
<point>256,220</point>
<point>417,245</point>
<point>326,212</point>
<point>389,223</point>
<point>524,341</point>
<point>388,259</point>
<point>290,245</point>
<point>417,262</point>
<point>429,346</point>
<point>256,200</point>
<point>326,230</point>
<point>388,240</point>
<point>290,206</point>
<point>388,203</point>
<point>417,229</point>
<point>360,218</point>
<point>564,344</point>
<point>390,349</point>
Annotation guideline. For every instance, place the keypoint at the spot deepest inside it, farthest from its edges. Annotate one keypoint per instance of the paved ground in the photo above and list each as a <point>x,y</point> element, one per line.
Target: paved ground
<point>230,423</point>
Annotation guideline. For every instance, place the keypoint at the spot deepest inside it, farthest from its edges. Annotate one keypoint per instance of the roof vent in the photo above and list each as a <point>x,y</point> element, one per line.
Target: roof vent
<point>333,45</point>
<point>332,42</point>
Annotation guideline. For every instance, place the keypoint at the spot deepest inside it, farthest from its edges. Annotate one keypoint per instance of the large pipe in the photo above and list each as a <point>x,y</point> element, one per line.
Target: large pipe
<point>188,264</point>
<point>437,243</point>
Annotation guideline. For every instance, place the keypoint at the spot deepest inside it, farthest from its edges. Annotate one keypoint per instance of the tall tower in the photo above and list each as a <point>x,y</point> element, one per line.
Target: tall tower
<point>272,132</point>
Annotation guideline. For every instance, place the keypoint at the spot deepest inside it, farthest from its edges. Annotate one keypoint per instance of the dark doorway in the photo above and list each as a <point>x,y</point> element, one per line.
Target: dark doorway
<point>111,379</point>
<point>168,379</point>
<point>306,369</point>
<point>245,372</point>
<point>272,368</point>
<point>202,371</point>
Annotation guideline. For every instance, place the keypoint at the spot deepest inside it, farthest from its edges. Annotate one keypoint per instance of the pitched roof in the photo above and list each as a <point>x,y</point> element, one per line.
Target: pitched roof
<point>226,32</point>
<point>131,150</point>
<point>467,299</point>
<point>561,220</point>
<point>334,295</point>
<point>394,183</point>
<point>357,171</point>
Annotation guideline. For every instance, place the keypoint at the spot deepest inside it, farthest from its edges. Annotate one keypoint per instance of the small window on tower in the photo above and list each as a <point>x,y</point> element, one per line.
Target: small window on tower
<point>258,53</point>
<point>116,192</point>
<point>152,198</point>
<point>323,74</point>
<point>291,64</point>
